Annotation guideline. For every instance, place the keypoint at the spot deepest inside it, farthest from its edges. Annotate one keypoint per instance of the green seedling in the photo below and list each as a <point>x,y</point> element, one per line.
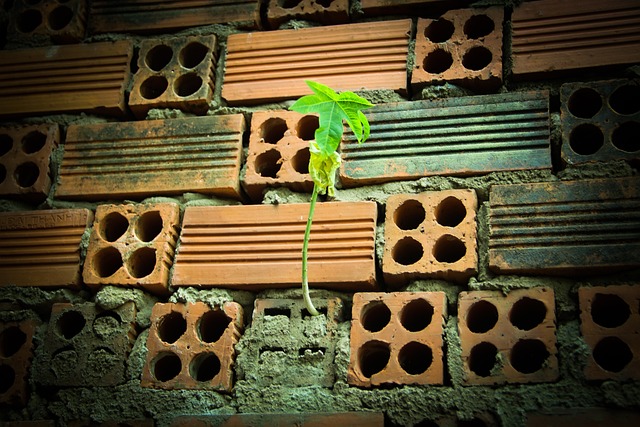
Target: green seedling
<point>332,108</point>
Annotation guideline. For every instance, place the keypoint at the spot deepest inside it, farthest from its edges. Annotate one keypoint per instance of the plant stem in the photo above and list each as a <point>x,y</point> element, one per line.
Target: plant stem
<point>305,253</point>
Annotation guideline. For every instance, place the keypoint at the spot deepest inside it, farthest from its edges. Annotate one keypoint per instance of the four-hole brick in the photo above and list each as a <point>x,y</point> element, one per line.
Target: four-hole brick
<point>16,351</point>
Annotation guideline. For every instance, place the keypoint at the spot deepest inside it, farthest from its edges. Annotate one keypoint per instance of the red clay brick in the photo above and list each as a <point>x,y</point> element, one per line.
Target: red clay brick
<point>192,346</point>
<point>133,245</point>
<point>583,417</point>
<point>199,154</point>
<point>176,72</point>
<point>16,352</point>
<point>61,22</point>
<point>260,246</point>
<point>407,7</point>
<point>462,46</point>
<point>550,36</point>
<point>334,12</point>
<point>42,248</point>
<point>269,66</point>
<point>508,338</point>
<point>65,79</point>
<point>431,234</point>
<point>396,338</point>
<point>279,152</point>
<point>610,325</point>
<point>351,419</point>
<point>25,151</point>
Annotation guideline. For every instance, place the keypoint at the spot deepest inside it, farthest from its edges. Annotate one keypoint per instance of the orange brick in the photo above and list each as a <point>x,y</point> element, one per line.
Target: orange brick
<point>260,246</point>
<point>62,22</point>
<point>610,325</point>
<point>42,248</point>
<point>331,12</point>
<point>279,152</point>
<point>396,338</point>
<point>25,153</point>
<point>583,417</point>
<point>508,338</point>
<point>351,419</point>
<point>192,346</point>
<point>407,7</point>
<point>133,245</point>
<point>16,352</point>
<point>431,234</point>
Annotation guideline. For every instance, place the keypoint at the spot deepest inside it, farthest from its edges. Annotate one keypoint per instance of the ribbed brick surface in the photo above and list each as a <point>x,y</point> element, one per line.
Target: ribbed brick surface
<point>325,12</point>
<point>192,346</point>
<point>61,21</point>
<point>151,157</point>
<point>25,152</point>
<point>610,324</point>
<point>551,36</point>
<point>462,46</point>
<point>16,352</point>
<point>273,65</point>
<point>573,227</point>
<point>351,419</point>
<point>42,248</point>
<point>454,136</point>
<point>133,245</point>
<point>253,247</point>
<point>600,121</point>
<point>279,152</point>
<point>432,234</point>
<point>63,79</point>
<point>396,338</point>
<point>508,338</point>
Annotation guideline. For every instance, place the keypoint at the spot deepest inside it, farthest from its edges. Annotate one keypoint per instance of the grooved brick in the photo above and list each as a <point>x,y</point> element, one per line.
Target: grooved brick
<point>25,169</point>
<point>42,248</point>
<point>16,352</point>
<point>260,246</point>
<point>133,245</point>
<point>508,338</point>
<point>396,338</point>
<point>351,419</point>
<point>200,154</point>
<point>456,136</point>
<point>192,346</point>
<point>64,79</point>
<point>61,22</point>
<point>610,325</point>
<point>269,66</point>
<point>431,234</point>
<point>566,227</point>
<point>334,12</point>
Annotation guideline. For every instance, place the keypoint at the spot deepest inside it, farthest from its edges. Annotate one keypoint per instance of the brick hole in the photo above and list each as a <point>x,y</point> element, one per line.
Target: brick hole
<point>407,251</point>
<point>450,212</point>
<point>204,367</point>
<point>8,5</point>
<point>626,137</point>
<point>11,341</point>
<point>612,354</point>
<point>477,58</point>
<point>482,316</point>
<point>28,21</point>
<point>426,423</point>
<point>449,249</point>
<point>171,327</point>
<point>482,359</point>
<point>478,26</point>
<point>7,378</point>
<point>273,130</point>
<point>187,85</point>
<point>33,142</point>
<point>416,315</point>
<point>153,87</point>
<point>584,103</point>
<point>166,366</point>
<point>373,357</point>
<point>409,215</point>
<point>158,57</point>
<point>59,18</point>
<point>625,99</point>
<point>107,261</point>
<point>437,61</point>
<point>415,358</point>
<point>148,226</point>
<point>6,143</point>
<point>192,54</point>
<point>107,324</point>
<point>306,127</point>
<point>300,161</point>
<point>102,359</point>
<point>439,31</point>
<point>474,422</point>
<point>324,3</point>
<point>26,174</point>
<point>277,311</point>
<point>142,262</point>
<point>212,325</point>
<point>64,362</point>
<point>3,173</point>
<point>268,164</point>
<point>70,323</point>
<point>609,310</point>
<point>528,355</point>
<point>586,139</point>
<point>113,226</point>
<point>527,313</point>
<point>289,4</point>
<point>306,315</point>
<point>375,316</point>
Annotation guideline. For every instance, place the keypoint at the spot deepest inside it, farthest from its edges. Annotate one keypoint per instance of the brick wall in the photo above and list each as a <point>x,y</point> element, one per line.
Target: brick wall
<point>479,264</point>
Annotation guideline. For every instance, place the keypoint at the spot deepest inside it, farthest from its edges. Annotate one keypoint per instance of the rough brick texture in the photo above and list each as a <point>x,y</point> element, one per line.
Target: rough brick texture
<point>199,154</point>
<point>432,234</point>
<point>61,22</point>
<point>396,338</point>
<point>133,245</point>
<point>192,346</point>
<point>351,419</point>
<point>508,339</point>
<point>16,352</point>
<point>332,12</point>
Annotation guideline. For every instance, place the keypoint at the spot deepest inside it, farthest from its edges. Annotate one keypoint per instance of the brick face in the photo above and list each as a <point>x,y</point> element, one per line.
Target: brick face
<point>16,352</point>
<point>62,22</point>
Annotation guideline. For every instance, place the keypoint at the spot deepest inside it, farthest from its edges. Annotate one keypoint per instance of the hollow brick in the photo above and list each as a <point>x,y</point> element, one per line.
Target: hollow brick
<point>133,245</point>
<point>192,346</point>
<point>58,21</point>
<point>407,7</point>
<point>351,419</point>
<point>508,338</point>
<point>16,352</point>
<point>610,325</point>
<point>431,234</point>
<point>333,12</point>
<point>396,338</point>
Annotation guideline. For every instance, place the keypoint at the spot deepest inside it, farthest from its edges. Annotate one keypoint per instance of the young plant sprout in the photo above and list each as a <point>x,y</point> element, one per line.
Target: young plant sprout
<point>332,108</point>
